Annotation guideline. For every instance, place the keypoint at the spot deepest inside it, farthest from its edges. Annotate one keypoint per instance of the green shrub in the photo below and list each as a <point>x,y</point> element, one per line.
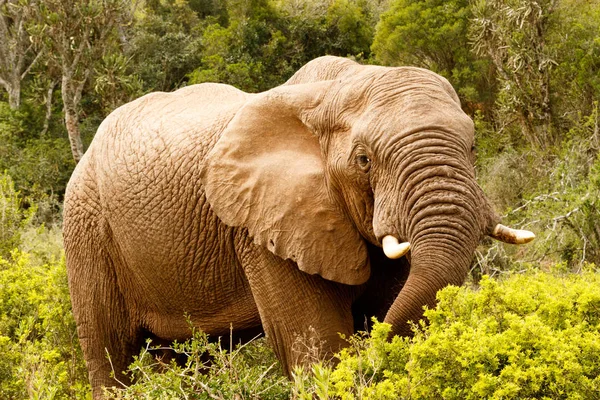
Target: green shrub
<point>12,217</point>
<point>40,166</point>
<point>41,355</point>
<point>249,371</point>
<point>533,336</point>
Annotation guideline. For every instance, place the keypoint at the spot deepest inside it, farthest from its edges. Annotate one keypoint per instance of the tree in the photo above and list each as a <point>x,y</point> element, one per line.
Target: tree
<point>165,43</point>
<point>575,42</point>
<point>247,52</point>
<point>77,35</point>
<point>17,53</point>
<point>115,83</point>
<point>432,34</point>
<point>335,27</point>
<point>265,42</point>
<point>514,34</point>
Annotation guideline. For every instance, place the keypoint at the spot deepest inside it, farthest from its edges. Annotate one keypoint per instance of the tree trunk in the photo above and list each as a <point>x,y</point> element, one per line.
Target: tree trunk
<point>71,118</point>
<point>49,95</point>
<point>74,135</point>
<point>14,95</point>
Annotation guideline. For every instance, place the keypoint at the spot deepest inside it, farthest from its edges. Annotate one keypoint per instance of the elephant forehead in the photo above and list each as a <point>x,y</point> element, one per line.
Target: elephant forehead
<point>382,84</point>
<point>403,116</point>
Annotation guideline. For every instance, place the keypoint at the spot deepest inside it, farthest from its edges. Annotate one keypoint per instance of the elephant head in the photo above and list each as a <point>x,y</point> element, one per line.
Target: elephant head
<point>345,154</point>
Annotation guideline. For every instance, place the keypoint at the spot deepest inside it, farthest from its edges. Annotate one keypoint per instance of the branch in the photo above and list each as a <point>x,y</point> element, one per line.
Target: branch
<point>5,46</point>
<point>113,368</point>
<point>20,25</point>
<point>541,197</point>
<point>18,56</point>
<point>5,84</point>
<point>566,217</point>
<point>51,87</point>
<point>79,90</point>
<point>80,49</point>
<point>20,38</point>
<point>105,31</point>
<point>209,391</point>
<point>24,74</point>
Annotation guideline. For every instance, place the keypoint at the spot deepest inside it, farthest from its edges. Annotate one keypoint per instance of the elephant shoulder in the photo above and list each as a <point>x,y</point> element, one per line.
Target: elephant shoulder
<point>193,111</point>
<point>199,101</point>
<point>212,91</point>
<point>161,134</point>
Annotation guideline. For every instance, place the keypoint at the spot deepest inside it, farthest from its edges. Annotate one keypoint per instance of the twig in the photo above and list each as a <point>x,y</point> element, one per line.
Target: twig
<point>113,368</point>
<point>209,391</point>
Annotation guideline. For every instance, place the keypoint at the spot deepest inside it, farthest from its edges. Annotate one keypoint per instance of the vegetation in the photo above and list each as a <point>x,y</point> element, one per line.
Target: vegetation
<point>42,358</point>
<point>210,371</point>
<point>528,72</point>
<point>531,336</point>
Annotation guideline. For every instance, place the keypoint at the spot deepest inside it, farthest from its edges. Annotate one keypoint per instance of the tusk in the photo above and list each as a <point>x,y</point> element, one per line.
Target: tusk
<point>513,236</point>
<point>393,249</point>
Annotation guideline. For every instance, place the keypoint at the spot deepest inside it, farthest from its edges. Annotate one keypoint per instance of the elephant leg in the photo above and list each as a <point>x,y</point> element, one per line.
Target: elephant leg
<point>387,279</point>
<point>104,325</point>
<point>303,315</point>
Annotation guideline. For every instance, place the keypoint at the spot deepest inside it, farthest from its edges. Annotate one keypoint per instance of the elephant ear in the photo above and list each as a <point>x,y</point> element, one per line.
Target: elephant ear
<point>266,173</point>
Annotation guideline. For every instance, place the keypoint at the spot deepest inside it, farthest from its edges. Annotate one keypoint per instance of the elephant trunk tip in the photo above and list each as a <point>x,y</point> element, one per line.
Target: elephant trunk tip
<point>512,236</point>
<point>393,249</point>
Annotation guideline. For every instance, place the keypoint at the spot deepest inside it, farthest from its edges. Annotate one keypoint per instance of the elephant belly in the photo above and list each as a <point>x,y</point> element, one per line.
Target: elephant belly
<point>188,270</point>
<point>212,296</point>
<point>235,311</point>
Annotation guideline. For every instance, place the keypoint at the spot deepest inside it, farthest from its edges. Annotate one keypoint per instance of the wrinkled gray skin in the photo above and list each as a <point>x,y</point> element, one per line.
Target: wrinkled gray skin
<point>266,211</point>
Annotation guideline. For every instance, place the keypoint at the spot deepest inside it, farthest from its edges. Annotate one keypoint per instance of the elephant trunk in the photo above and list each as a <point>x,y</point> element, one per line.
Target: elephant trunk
<point>443,216</point>
<point>443,236</point>
<point>435,263</point>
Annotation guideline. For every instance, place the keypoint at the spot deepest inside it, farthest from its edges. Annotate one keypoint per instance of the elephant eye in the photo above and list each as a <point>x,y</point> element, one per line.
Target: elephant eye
<point>364,162</point>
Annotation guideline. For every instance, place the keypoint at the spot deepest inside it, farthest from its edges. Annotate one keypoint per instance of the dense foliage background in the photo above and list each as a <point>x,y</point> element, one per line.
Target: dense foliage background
<point>527,72</point>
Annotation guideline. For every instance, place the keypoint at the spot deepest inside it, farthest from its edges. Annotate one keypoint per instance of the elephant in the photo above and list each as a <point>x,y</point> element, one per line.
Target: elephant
<point>345,193</point>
